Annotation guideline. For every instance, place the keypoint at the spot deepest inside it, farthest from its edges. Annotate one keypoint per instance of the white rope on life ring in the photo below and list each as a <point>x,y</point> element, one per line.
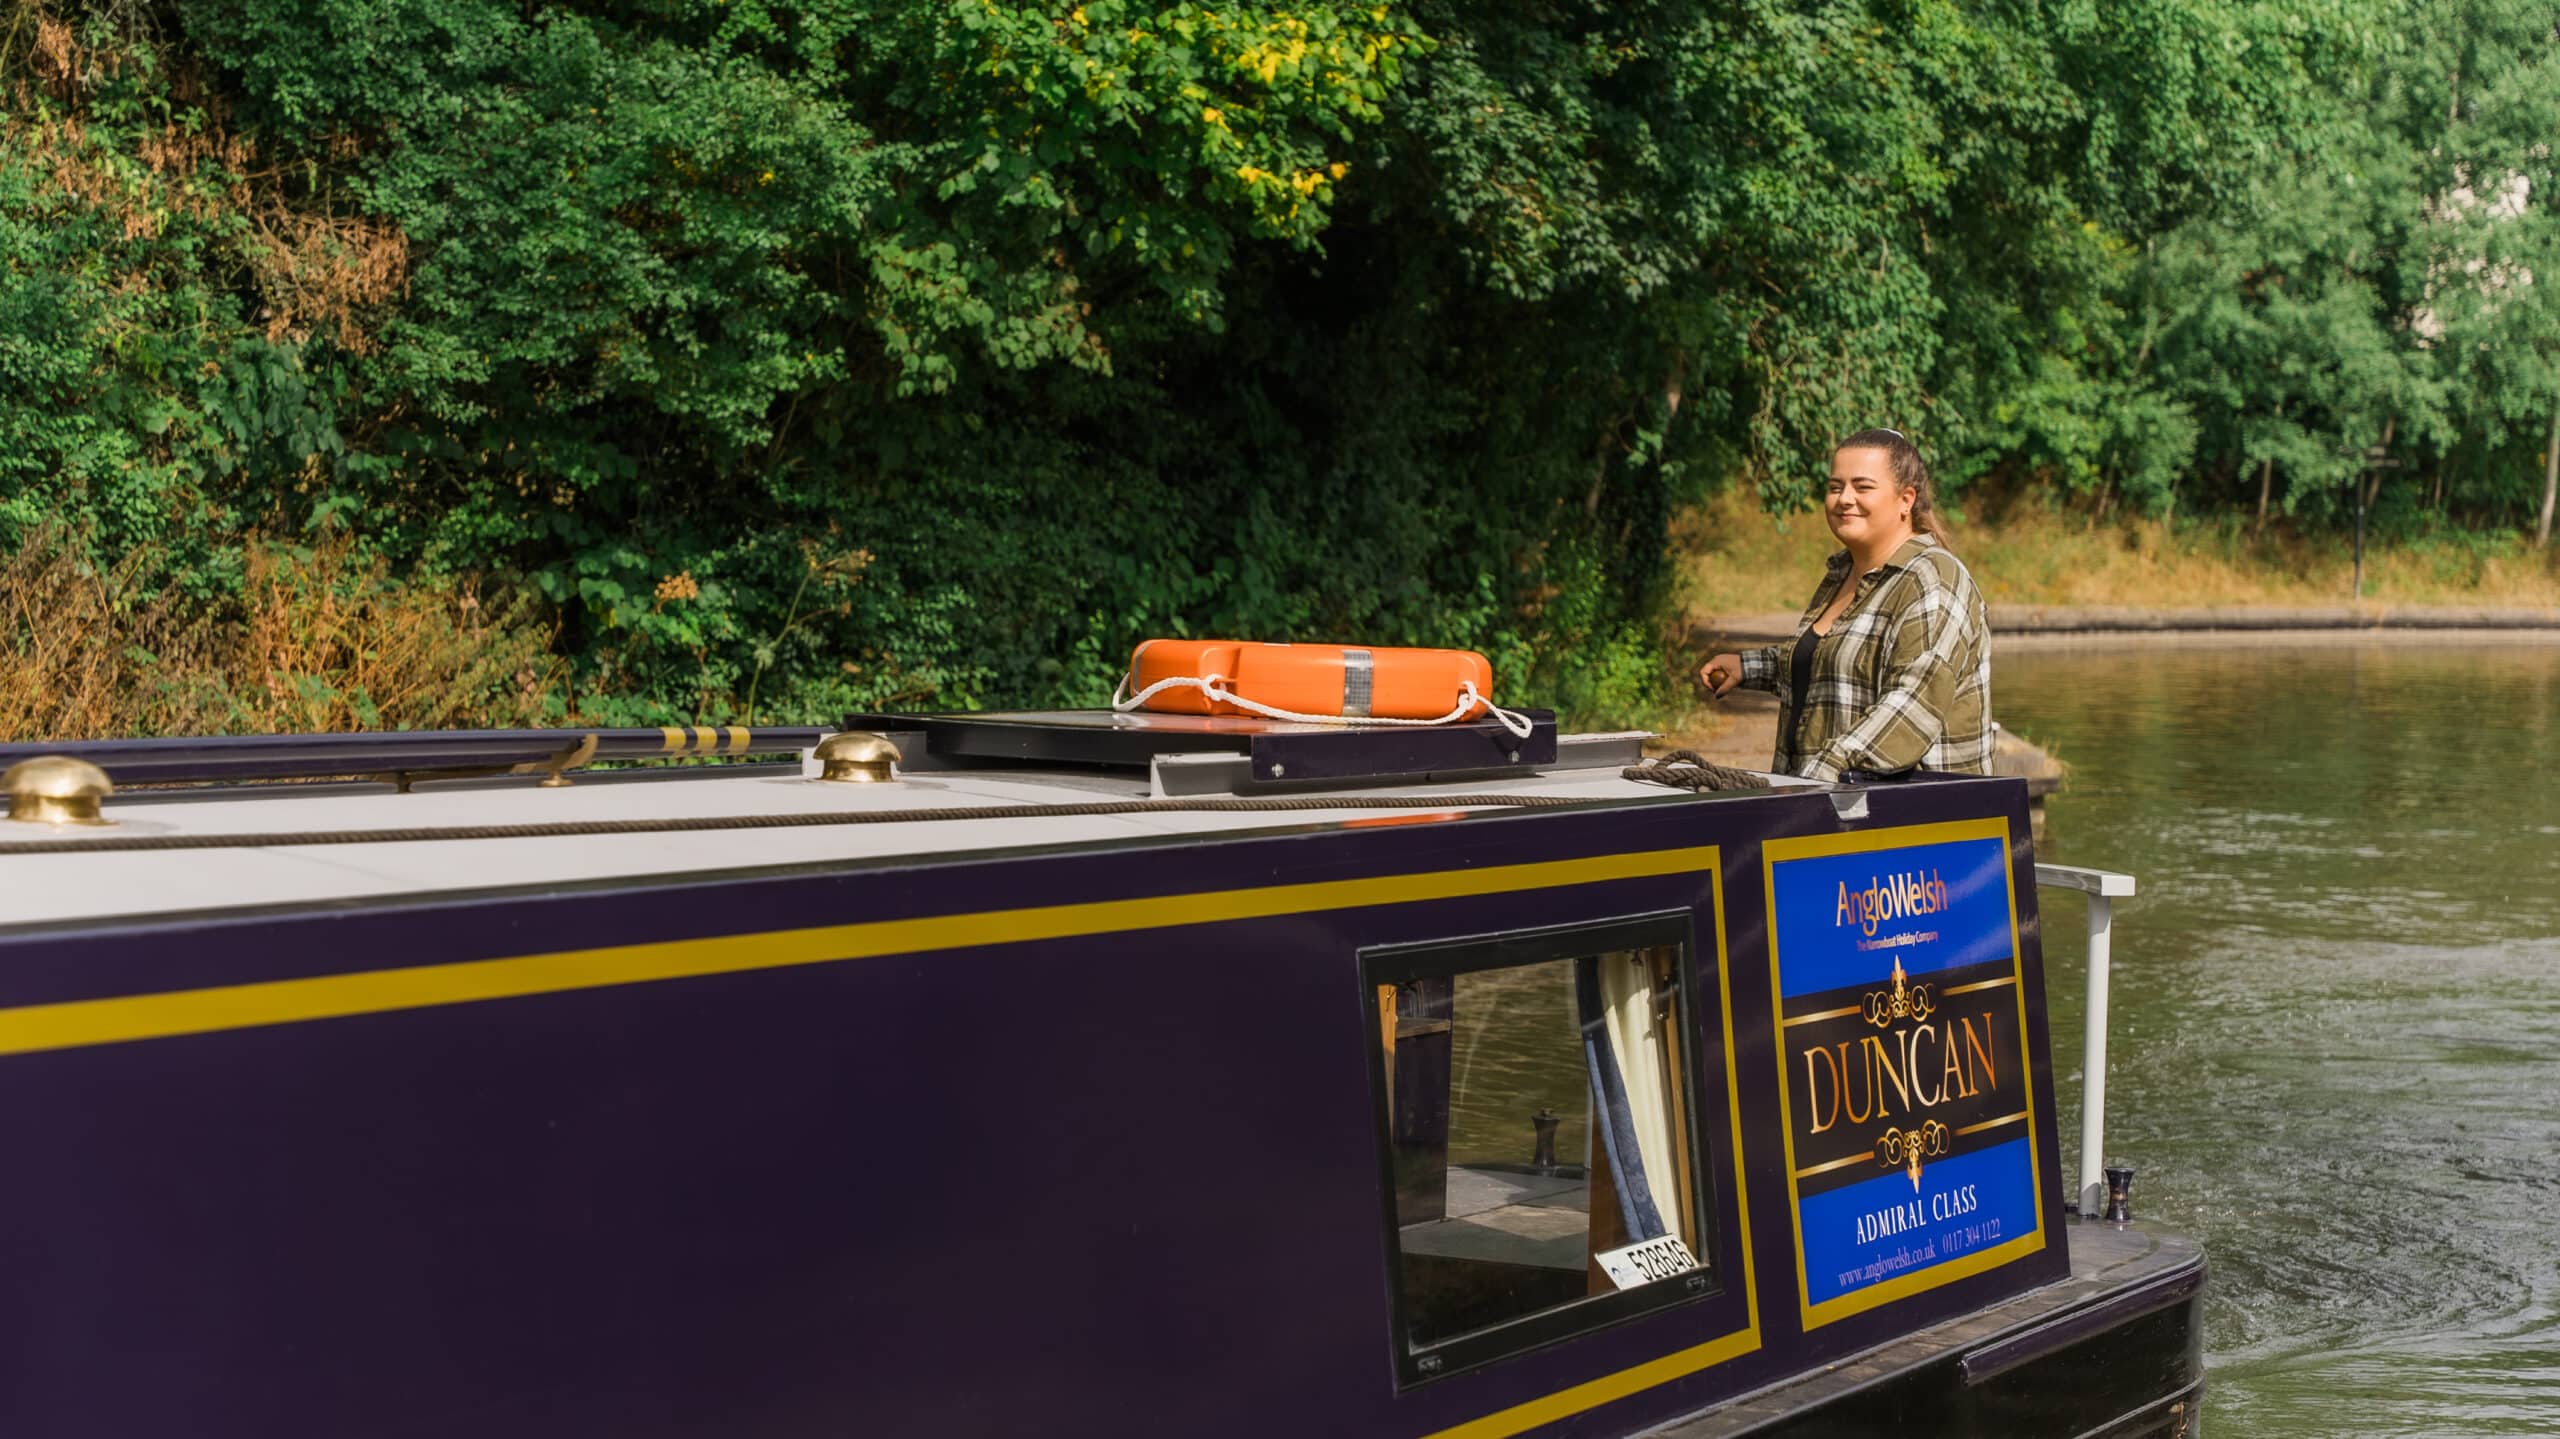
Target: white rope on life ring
<point>1517,723</point>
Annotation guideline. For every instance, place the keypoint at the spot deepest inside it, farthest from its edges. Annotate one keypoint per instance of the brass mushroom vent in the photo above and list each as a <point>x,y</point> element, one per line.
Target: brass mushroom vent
<point>56,789</point>
<point>856,757</point>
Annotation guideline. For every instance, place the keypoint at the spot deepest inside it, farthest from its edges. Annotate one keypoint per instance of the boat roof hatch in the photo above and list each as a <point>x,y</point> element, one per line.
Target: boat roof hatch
<point>1197,754</point>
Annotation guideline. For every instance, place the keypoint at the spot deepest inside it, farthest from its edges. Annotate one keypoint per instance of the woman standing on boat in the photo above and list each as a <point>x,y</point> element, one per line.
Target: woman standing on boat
<point>1890,668</point>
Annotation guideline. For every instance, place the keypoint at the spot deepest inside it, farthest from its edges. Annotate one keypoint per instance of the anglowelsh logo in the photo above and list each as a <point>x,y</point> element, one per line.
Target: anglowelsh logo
<point>1890,897</point>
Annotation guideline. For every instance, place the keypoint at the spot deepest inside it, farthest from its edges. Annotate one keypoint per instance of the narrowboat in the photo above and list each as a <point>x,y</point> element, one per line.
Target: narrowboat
<point>1039,1073</point>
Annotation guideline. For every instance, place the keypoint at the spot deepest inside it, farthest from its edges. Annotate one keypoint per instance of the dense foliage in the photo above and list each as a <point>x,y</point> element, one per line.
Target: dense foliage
<point>2370,293</point>
<point>797,357</point>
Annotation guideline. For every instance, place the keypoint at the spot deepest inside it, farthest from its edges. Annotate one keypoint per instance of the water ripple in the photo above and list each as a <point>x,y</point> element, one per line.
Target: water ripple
<point>2337,1011</point>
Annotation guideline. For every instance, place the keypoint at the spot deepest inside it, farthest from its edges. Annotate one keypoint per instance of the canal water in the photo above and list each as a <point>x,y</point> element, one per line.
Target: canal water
<point>2336,1008</point>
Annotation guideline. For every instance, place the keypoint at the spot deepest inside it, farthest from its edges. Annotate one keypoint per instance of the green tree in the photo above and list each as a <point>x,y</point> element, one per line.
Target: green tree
<point>2374,286</point>
<point>806,357</point>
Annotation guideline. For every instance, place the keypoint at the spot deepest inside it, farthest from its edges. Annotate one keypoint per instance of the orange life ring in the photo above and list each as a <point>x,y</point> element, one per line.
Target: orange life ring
<point>1345,682</point>
<point>1156,661</point>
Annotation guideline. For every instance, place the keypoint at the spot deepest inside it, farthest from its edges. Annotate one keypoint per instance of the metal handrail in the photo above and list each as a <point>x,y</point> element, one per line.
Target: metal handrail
<point>2103,887</point>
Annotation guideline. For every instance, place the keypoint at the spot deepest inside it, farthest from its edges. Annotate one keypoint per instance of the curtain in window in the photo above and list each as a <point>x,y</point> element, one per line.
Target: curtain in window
<point>1630,1090</point>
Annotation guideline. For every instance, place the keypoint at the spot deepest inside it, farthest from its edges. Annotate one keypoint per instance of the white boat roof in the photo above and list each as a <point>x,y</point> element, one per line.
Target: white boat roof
<point>55,887</point>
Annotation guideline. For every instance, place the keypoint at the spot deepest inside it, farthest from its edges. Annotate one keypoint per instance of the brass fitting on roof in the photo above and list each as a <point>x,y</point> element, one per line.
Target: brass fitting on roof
<point>856,757</point>
<point>56,789</point>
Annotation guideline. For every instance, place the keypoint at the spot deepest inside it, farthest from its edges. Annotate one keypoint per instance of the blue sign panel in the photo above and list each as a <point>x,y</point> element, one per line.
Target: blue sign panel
<point>1859,1234</point>
<point>1902,1056</point>
<point>1930,907</point>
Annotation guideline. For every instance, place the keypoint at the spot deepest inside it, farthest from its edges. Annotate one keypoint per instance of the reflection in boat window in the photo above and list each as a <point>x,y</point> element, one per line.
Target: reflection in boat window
<point>1537,1127</point>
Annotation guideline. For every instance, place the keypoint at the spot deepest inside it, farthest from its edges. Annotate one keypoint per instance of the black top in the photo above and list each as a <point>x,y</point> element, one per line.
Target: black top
<point>1800,679</point>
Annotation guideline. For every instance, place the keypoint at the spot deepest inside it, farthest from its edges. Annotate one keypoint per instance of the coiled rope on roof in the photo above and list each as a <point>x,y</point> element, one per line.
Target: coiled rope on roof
<point>1687,769</point>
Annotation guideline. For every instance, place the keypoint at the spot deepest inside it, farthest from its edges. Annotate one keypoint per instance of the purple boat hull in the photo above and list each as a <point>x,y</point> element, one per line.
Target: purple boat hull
<point>1086,1146</point>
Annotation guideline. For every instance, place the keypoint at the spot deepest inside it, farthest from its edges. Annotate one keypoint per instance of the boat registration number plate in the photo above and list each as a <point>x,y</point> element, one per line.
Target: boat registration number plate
<point>1644,1262</point>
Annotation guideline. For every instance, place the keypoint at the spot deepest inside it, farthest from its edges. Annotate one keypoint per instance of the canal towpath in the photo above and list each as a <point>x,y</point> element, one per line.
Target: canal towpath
<point>2041,622</point>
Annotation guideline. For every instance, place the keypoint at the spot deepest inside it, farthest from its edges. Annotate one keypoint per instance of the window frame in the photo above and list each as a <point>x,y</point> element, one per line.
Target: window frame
<point>1387,964</point>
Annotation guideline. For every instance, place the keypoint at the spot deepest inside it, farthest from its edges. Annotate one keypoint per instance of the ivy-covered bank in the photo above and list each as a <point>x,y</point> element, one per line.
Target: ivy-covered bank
<point>766,360</point>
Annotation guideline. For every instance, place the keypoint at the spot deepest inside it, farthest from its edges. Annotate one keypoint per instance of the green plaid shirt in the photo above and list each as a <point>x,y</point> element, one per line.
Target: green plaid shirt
<point>1903,679</point>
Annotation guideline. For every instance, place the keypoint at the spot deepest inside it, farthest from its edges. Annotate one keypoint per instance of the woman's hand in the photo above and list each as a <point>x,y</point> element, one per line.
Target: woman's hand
<point>1721,674</point>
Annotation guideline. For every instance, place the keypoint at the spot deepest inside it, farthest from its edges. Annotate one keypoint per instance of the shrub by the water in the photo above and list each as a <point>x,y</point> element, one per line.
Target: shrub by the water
<point>314,639</point>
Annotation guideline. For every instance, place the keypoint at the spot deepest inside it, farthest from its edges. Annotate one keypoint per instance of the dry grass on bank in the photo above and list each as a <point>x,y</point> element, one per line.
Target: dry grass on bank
<point>1739,561</point>
<point>318,640</point>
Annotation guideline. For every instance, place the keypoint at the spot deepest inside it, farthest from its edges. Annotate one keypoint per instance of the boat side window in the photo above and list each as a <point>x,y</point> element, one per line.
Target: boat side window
<point>1538,1135</point>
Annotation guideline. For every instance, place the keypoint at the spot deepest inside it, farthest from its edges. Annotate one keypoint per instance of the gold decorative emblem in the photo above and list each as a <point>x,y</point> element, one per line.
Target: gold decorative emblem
<point>1904,1001</point>
<point>1907,1147</point>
